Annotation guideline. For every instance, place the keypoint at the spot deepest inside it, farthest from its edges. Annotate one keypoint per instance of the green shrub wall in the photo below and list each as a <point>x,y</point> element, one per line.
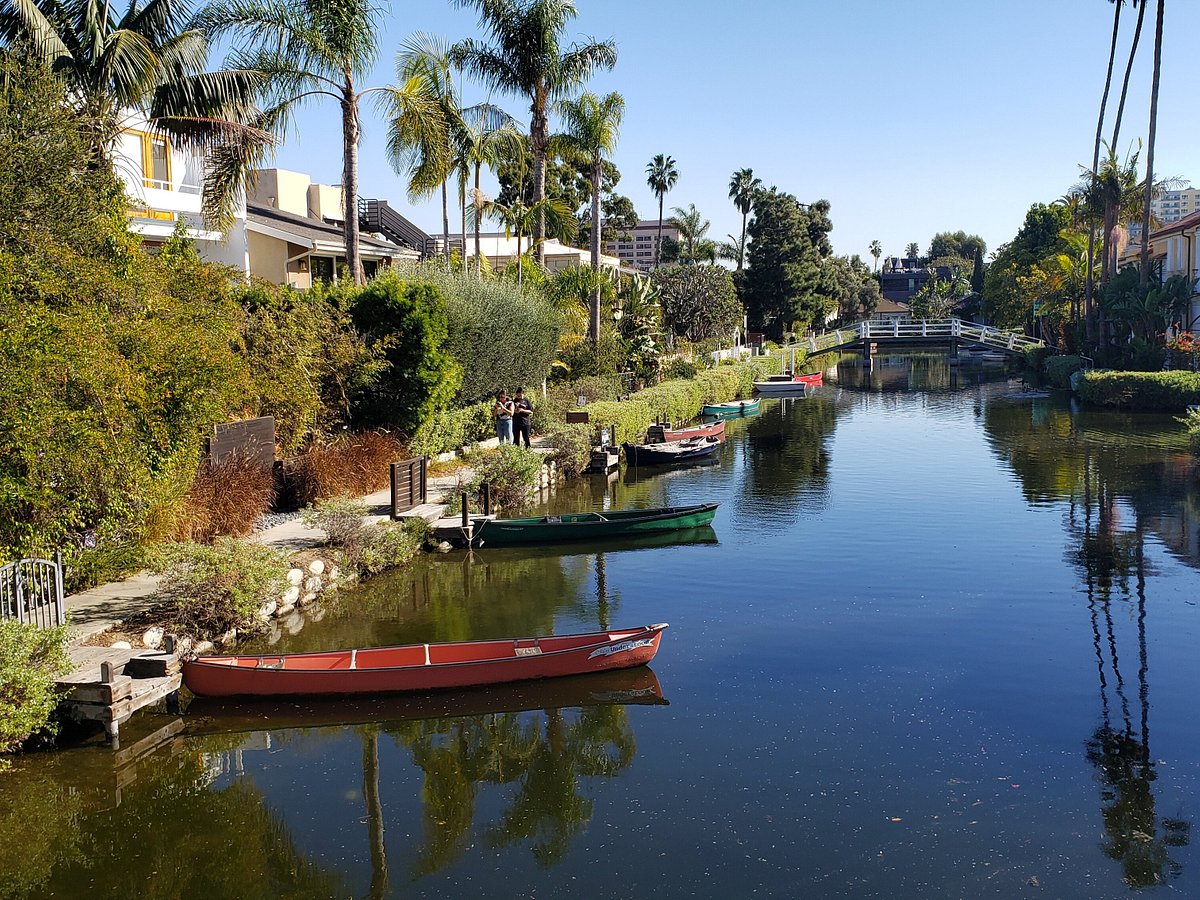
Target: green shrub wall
<point>1141,390</point>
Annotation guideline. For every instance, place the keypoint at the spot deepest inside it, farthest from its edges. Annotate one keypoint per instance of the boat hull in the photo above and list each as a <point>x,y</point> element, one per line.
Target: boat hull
<point>590,526</point>
<point>781,388</point>
<point>733,410</point>
<point>661,434</point>
<point>421,667</point>
<point>671,452</point>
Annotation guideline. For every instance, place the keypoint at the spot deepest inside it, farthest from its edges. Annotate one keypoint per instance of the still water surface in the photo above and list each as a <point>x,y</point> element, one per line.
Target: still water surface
<point>941,641</point>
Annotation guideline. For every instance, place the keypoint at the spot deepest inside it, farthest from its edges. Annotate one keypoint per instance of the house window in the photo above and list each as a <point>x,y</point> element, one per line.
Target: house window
<point>322,269</point>
<point>156,162</point>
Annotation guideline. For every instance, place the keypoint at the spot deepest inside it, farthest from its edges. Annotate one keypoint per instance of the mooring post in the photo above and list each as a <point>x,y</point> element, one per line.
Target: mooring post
<point>466,512</point>
<point>612,433</point>
<point>486,488</point>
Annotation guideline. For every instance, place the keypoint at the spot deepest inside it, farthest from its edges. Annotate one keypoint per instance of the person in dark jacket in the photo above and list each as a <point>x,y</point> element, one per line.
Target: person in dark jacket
<point>522,417</point>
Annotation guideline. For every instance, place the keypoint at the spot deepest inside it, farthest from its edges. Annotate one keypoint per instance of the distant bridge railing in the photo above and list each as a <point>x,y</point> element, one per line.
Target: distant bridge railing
<point>31,590</point>
<point>896,330</point>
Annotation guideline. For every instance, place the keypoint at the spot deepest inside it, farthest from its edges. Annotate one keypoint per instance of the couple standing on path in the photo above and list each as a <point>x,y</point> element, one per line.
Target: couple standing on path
<point>512,417</point>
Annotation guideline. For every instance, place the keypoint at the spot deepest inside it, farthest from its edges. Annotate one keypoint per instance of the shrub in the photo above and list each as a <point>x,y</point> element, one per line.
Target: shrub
<point>1036,358</point>
<point>572,446</point>
<point>370,547</point>
<point>357,464</point>
<point>1141,390</point>
<point>502,335</point>
<point>697,302</point>
<point>1192,421</point>
<point>451,429</point>
<point>408,324</point>
<point>679,368</point>
<point>1059,369</point>
<point>31,661</point>
<point>219,586</point>
<point>512,473</point>
<point>225,499</point>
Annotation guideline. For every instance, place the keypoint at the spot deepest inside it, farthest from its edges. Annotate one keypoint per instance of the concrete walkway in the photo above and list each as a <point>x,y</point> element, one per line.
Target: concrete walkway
<point>100,608</point>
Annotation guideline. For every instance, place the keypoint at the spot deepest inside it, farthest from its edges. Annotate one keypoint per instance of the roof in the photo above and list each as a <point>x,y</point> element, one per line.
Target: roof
<point>891,307</point>
<point>1187,223</point>
<point>312,232</point>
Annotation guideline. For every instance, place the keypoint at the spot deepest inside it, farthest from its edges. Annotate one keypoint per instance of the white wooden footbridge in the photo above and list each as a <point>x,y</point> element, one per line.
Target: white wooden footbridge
<point>943,331</point>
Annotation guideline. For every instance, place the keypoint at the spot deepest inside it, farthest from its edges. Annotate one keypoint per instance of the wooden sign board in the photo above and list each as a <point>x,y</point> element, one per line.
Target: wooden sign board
<point>577,418</point>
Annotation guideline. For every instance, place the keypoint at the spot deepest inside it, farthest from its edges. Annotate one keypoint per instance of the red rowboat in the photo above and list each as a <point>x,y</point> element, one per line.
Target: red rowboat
<point>421,667</point>
<point>661,434</point>
<point>812,379</point>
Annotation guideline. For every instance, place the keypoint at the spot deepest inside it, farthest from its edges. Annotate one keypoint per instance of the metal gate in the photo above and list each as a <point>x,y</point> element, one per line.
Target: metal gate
<point>31,590</point>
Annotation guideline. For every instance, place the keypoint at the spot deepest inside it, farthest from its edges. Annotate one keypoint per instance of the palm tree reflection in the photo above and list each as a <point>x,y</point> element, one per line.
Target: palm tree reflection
<point>1106,558</point>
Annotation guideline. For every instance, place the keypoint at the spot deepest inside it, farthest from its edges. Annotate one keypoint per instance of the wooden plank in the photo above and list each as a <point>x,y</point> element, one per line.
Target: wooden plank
<point>98,692</point>
<point>149,743</point>
<point>153,665</point>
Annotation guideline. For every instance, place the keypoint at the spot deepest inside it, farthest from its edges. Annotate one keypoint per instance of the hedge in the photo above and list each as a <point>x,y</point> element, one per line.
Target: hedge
<point>680,399</point>
<point>453,428</point>
<point>1059,369</point>
<point>1140,390</point>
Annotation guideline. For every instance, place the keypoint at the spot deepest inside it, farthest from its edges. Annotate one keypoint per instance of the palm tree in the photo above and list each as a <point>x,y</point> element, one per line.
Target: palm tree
<point>913,250</point>
<point>661,176</point>
<point>491,136</point>
<point>1133,48</point>
<point>1158,33</point>
<point>692,228</point>
<point>1091,251</point>
<point>151,59</point>
<point>733,249</point>
<point>521,219</point>
<point>527,59</point>
<point>428,156</point>
<point>876,251</point>
<point>742,187</point>
<point>311,50</point>
<point>591,125</point>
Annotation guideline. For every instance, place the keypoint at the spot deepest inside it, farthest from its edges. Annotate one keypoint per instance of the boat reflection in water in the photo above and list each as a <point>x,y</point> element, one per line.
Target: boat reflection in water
<point>623,686</point>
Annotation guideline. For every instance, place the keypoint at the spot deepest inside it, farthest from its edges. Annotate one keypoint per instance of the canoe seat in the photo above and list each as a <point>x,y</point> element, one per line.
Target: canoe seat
<point>552,520</point>
<point>272,664</point>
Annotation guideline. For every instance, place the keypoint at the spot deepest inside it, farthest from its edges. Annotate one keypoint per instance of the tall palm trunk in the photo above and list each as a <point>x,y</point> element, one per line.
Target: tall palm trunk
<point>462,196</point>
<point>539,138</point>
<point>475,199</point>
<point>350,133</point>
<point>1133,48</point>
<point>446,221</point>
<point>594,318</point>
<point>1089,285</point>
<point>658,243</point>
<point>742,245</point>
<point>1144,281</point>
<point>520,267</point>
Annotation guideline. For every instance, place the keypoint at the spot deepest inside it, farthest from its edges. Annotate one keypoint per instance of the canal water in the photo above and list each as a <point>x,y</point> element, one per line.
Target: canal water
<point>941,641</point>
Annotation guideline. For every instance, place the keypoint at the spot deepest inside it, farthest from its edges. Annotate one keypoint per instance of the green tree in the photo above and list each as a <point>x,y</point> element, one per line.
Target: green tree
<point>407,322</point>
<point>698,302</point>
<point>912,251</point>
<point>489,137</point>
<point>152,59</point>
<point>1040,236</point>
<point>304,51</point>
<point>956,243</point>
<point>855,289</point>
<point>742,187</point>
<point>617,222</point>
<point>785,282</point>
<point>876,251</point>
<point>527,58</point>
<point>661,176</point>
<point>591,125</point>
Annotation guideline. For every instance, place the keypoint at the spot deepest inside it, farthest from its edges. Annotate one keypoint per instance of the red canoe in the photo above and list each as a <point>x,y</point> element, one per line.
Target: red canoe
<point>812,379</point>
<point>421,667</point>
<point>661,434</point>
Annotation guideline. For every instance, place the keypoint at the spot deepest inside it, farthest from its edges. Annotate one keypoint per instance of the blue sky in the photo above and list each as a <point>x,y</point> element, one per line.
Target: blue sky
<point>910,118</point>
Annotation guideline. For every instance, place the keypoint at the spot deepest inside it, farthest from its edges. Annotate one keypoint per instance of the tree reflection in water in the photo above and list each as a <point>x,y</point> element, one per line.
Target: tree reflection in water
<point>1106,558</point>
<point>544,754</point>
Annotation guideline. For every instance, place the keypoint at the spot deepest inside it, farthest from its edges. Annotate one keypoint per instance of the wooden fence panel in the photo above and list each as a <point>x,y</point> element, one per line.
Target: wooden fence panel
<point>253,438</point>
<point>409,484</point>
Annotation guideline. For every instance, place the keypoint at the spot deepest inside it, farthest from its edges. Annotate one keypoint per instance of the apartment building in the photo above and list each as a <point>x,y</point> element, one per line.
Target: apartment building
<point>635,249</point>
<point>1177,247</point>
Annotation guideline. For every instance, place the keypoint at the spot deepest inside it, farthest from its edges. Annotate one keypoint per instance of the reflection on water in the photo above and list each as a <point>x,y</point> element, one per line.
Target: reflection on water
<point>940,641</point>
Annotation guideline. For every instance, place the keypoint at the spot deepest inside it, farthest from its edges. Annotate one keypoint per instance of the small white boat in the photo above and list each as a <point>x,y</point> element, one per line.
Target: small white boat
<point>781,386</point>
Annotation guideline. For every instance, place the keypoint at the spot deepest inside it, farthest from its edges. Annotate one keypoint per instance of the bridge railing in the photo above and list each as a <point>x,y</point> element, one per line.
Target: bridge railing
<point>897,330</point>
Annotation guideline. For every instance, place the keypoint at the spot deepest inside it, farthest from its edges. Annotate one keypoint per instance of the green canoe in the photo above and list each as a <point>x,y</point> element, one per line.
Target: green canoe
<point>590,525</point>
<point>732,410</point>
